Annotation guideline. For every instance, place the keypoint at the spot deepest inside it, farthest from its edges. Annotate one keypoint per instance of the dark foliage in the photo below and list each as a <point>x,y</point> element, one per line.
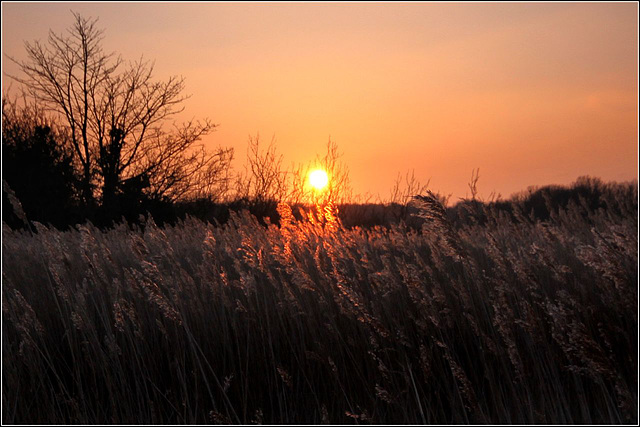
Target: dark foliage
<point>40,173</point>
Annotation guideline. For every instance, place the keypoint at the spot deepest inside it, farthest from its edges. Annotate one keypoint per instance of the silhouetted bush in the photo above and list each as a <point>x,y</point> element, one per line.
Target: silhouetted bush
<point>39,170</point>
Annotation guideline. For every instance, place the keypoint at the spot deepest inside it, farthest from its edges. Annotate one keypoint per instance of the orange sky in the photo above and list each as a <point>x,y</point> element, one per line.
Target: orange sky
<point>530,93</point>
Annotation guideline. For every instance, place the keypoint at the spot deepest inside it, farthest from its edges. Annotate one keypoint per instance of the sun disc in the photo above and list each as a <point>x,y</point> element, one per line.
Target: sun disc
<point>318,179</point>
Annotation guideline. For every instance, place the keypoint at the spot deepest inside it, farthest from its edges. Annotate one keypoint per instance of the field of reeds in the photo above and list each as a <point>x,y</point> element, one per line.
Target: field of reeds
<point>505,320</point>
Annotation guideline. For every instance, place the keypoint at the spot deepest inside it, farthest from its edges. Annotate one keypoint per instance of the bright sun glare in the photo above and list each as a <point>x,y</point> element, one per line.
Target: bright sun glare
<point>318,179</point>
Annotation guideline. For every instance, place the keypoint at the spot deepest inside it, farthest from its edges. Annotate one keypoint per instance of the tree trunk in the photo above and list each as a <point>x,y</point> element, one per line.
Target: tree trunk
<point>109,201</point>
<point>87,191</point>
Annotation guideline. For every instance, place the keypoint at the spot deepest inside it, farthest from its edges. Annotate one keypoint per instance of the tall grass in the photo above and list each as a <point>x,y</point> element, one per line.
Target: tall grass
<point>512,321</point>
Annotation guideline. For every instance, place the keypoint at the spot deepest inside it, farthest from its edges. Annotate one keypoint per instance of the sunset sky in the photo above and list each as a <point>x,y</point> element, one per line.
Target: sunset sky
<point>529,93</point>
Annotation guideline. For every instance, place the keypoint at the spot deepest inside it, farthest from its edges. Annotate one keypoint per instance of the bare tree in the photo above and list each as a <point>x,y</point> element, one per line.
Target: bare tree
<point>338,188</point>
<point>263,180</point>
<point>119,119</point>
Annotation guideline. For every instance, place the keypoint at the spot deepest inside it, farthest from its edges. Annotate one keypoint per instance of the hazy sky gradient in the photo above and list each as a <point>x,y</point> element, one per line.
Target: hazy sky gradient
<point>530,93</point>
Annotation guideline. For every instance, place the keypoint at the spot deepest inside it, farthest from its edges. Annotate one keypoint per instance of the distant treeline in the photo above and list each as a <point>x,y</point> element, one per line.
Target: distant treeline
<point>586,196</point>
<point>36,191</point>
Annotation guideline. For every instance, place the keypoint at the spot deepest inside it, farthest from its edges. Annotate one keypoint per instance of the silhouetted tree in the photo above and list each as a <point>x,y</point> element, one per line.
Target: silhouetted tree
<point>263,184</point>
<point>338,188</point>
<point>118,119</point>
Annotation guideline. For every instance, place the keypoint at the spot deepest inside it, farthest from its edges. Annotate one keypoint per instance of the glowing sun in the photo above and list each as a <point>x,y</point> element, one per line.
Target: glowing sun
<point>318,179</point>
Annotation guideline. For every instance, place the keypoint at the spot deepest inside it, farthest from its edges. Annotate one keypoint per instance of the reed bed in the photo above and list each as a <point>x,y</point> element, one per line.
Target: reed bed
<point>308,321</point>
